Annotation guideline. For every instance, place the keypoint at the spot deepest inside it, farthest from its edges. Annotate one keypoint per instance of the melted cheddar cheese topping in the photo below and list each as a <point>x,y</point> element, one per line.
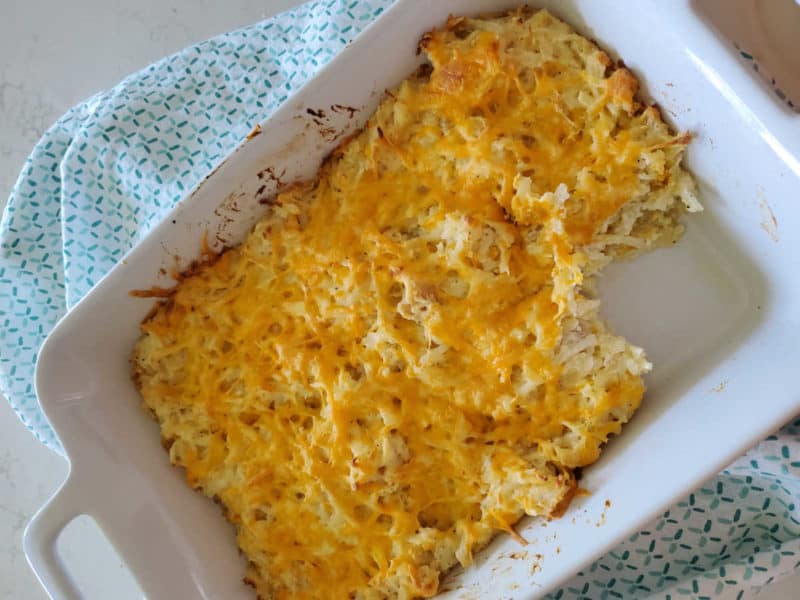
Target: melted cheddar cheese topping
<point>404,357</point>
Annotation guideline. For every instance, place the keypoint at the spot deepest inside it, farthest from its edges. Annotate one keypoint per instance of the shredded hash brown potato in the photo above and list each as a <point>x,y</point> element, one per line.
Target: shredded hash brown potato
<point>405,356</point>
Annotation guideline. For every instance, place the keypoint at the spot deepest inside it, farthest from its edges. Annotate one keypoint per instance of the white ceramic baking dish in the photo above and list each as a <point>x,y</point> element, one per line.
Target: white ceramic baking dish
<point>717,314</point>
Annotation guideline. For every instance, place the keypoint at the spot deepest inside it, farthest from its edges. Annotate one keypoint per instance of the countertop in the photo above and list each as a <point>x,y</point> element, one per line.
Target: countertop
<point>53,55</point>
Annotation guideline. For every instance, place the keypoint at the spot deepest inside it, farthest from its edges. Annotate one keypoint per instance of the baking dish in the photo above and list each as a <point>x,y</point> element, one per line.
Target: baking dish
<point>715,313</point>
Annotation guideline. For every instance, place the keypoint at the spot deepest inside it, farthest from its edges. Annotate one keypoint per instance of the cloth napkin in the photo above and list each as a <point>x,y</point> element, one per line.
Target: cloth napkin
<point>111,168</point>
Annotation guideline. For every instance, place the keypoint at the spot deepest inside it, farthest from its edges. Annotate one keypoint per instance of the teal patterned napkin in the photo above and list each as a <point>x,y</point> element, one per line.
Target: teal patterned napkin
<point>113,166</point>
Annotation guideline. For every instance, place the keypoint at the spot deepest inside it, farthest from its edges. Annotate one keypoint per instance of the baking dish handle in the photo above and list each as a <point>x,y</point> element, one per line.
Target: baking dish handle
<point>39,542</point>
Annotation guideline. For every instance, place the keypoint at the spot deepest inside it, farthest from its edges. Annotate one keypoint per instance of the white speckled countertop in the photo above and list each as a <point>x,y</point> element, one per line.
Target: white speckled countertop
<point>53,55</point>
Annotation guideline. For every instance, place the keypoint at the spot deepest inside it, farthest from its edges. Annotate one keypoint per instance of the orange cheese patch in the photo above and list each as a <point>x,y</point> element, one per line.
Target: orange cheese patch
<point>404,357</point>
